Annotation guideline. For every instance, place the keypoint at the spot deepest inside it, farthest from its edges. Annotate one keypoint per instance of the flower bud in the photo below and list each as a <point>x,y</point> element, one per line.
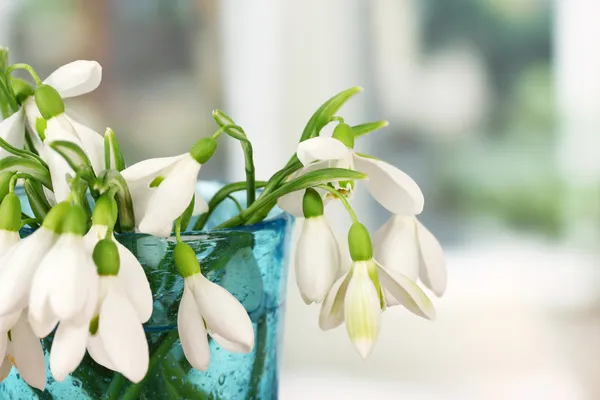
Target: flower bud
<point>22,89</point>
<point>105,211</point>
<point>10,213</point>
<point>75,221</point>
<point>106,257</point>
<point>359,242</point>
<point>49,101</point>
<point>54,219</point>
<point>343,133</point>
<point>312,204</point>
<point>204,149</point>
<point>185,260</point>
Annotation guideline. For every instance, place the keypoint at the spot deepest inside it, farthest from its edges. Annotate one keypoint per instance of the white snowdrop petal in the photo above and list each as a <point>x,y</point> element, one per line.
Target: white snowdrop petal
<point>122,334</point>
<point>136,283</point>
<point>76,78</point>
<point>317,260</point>
<point>12,130</point>
<point>200,205</point>
<point>332,309</point>
<point>292,202</point>
<point>92,143</point>
<point>68,349</point>
<point>28,354</point>
<point>432,270</point>
<point>320,148</point>
<point>149,169</point>
<point>8,321</point>
<point>3,343</point>
<point>8,239</point>
<point>95,348</point>
<point>362,310</point>
<point>222,312</point>
<point>5,368</point>
<point>392,188</point>
<point>32,113</point>
<point>406,292</point>
<point>171,198</point>
<point>192,332</point>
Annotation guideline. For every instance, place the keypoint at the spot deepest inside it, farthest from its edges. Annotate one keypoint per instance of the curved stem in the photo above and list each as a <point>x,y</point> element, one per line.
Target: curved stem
<point>343,199</point>
<point>13,180</point>
<point>27,68</point>
<point>219,197</point>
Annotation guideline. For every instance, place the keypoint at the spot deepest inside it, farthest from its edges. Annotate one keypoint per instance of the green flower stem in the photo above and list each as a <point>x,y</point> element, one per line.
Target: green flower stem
<point>343,199</point>
<point>221,195</point>
<point>32,222</point>
<point>260,357</point>
<point>15,178</point>
<point>132,392</point>
<point>27,68</point>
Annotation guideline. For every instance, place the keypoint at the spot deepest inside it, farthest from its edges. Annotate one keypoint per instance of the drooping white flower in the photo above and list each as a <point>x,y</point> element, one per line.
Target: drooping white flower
<point>207,308</point>
<point>10,223</point>
<point>357,297</point>
<point>162,188</point>
<point>21,348</point>
<point>404,245</point>
<point>71,80</point>
<point>317,253</point>
<point>65,285</point>
<point>18,266</point>
<point>115,336</point>
<point>392,188</point>
<point>59,127</point>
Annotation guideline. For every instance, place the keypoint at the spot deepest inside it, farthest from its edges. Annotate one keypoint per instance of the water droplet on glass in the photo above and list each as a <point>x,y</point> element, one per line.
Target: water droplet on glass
<point>222,379</point>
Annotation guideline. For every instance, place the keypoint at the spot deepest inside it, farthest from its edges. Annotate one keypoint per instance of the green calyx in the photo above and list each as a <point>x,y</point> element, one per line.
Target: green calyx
<point>312,204</point>
<point>343,133</point>
<point>105,211</point>
<point>48,101</point>
<point>22,89</point>
<point>106,257</point>
<point>359,243</point>
<point>204,149</point>
<point>55,217</point>
<point>185,260</point>
<point>10,213</point>
<point>75,221</point>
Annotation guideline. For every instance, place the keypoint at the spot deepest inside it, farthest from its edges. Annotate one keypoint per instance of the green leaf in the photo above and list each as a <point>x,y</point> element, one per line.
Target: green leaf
<point>324,113</point>
<point>113,158</point>
<point>368,127</point>
<point>21,153</point>
<point>27,166</point>
<point>318,177</point>
<point>37,199</point>
<point>75,157</point>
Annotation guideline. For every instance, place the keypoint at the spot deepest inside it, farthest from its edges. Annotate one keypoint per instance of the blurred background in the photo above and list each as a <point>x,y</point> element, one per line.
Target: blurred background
<point>493,108</point>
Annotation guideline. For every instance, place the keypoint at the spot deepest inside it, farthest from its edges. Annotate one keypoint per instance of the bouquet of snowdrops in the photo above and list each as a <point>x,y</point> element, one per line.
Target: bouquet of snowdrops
<point>72,278</point>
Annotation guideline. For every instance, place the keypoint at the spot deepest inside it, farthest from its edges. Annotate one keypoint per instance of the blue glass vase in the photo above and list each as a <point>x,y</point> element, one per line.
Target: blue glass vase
<point>250,262</point>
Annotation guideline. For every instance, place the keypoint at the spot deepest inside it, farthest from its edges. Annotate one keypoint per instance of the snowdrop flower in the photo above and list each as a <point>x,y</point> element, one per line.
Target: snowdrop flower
<point>357,297</point>
<point>131,273</point>
<point>162,188</point>
<point>404,245</point>
<point>21,348</point>
<point>115,336</point>
<point>317,253</point>
<point>392,188</point>
<point>19,265</point>
<point>71,80</point>
<point>208,308</point>
<point>10,223</point>
<point>65,285</point>
<point>60,127</point>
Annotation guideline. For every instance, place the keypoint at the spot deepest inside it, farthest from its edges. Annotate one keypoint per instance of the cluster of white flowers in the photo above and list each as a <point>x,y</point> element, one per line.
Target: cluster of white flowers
<point>73,279</point>
<point>380,276</point>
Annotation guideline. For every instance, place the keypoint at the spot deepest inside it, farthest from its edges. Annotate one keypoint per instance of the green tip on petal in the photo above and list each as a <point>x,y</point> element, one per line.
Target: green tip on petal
<point>106,257</point>
<point>343,132</point>
<point>22,89</point>
<point>49,101</point>
<point>204,149</point>
<point>10,213</point>
<point>105,211</point>
<point>40,127</point>
<point>75,221</point>
<point>185,260</point>
<point>312,204</point>
<point>94,323</point>
<point>359,242</point>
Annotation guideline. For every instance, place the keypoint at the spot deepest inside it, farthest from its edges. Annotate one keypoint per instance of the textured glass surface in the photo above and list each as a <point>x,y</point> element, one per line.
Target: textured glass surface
<point>250,262</point>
